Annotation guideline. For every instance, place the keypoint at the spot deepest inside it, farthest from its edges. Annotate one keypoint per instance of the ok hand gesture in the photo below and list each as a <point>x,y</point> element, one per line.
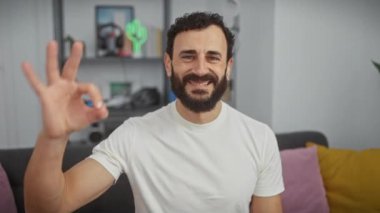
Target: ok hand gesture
<point>63,108</point>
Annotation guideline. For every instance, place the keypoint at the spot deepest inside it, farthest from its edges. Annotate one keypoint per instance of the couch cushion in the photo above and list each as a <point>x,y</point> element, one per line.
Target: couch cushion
<point>7,202</point>
<point>304,192</point>
<point>351,179</point>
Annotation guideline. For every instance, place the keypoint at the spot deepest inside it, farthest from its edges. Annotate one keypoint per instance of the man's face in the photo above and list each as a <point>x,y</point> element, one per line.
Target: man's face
<point>199,67</point>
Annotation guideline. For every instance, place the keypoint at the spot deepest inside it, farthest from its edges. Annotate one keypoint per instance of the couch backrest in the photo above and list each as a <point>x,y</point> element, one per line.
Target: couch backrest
<point>119,197</point>
<point>14,162</point>
<point>291,140</point>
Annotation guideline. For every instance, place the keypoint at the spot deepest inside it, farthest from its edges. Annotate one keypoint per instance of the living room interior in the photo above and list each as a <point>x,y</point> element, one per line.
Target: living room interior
<point>299,65</point>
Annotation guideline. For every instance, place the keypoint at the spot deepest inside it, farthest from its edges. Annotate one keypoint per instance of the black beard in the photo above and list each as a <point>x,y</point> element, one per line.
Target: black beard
<point>198,105</point>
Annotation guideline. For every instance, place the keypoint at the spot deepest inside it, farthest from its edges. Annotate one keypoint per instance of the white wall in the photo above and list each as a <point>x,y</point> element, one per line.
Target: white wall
<point>323,76</point>
<point>26,26</point>
<point>180,7</point>
<point>254,80</point>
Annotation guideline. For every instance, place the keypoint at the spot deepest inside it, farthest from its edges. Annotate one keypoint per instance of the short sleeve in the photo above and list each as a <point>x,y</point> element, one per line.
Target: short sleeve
<point>112,153</point>
<point>270,180</point>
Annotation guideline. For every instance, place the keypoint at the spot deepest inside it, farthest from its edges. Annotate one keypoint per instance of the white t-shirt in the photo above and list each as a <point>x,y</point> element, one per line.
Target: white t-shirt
<point>174,165</point>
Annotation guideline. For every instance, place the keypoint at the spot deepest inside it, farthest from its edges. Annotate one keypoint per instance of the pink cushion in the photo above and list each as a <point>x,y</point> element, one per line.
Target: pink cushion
<point>7,202</point>
<point>304,191</point>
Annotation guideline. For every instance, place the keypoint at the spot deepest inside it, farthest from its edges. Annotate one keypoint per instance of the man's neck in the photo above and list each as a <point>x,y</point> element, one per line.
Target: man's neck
<point>198,117</point>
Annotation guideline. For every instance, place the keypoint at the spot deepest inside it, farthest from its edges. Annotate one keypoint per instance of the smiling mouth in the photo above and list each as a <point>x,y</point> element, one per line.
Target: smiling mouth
<point>199,88</point>
<point>202,83</point>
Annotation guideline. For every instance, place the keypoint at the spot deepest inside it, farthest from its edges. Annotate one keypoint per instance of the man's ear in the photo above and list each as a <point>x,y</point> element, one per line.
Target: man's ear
<point>229,68</point>
<point>168,65</point>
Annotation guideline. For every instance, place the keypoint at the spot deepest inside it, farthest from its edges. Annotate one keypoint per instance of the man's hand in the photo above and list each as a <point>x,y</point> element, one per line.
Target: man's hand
<point>63,109</point>
<point>46,187</point>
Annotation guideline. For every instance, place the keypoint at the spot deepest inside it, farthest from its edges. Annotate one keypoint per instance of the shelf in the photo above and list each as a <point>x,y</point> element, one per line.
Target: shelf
<point>120,59</point>
<point>125,113</point>
<point>118,116</point>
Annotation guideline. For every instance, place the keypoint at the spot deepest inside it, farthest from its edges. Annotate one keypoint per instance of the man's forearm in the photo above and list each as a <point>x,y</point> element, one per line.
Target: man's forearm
<point>44,183</point>
<point>266,204</point>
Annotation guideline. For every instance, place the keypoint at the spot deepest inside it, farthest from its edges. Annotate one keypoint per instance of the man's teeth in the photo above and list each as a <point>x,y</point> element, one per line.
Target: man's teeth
<point>203,83</point>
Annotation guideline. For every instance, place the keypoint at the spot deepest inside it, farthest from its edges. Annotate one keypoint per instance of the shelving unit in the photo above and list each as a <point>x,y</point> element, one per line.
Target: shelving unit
<point>59,17</point>
<point>116,116</point>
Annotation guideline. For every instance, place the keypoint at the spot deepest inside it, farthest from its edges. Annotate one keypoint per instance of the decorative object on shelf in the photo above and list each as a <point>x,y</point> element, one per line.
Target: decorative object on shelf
<point>120,95</point>
<point>120,88</point>
<point>110,39</point>
<point>145,97</point>
<point>110,23</point>
<point>138,34</point>
<point>377,65</point>
<point>69,41</point>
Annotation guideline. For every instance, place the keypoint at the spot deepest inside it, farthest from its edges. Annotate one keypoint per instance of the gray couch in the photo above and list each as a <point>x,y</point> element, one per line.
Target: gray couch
<point>119,197</point>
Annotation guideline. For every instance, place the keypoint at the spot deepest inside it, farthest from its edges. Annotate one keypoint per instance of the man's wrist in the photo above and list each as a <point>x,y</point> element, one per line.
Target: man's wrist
<point>43,136</point>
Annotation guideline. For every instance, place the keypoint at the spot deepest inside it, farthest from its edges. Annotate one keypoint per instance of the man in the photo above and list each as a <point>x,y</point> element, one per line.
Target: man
<point>196,154</point>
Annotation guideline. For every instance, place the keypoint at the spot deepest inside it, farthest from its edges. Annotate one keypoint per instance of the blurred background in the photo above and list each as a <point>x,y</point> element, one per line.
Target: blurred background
<point>299,65</point>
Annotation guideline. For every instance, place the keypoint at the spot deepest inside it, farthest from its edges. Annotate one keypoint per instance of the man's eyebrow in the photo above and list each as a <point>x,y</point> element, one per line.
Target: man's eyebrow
<point>212,52</point>
<point>187,52</point>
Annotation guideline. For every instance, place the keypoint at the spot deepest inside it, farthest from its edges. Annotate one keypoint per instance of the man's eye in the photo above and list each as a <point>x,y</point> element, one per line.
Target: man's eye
<point>187,57</point>
<point>214,58</point>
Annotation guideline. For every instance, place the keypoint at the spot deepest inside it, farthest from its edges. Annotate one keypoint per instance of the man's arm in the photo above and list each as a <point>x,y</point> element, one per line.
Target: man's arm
<point>266,204</point>
<point>46,187</point>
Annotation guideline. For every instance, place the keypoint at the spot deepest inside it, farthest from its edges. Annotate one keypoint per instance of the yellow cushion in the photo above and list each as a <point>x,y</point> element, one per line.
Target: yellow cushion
<point>351,179</point>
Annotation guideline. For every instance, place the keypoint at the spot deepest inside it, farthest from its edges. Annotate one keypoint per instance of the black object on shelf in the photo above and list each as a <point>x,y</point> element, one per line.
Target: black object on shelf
<point>145,97</point>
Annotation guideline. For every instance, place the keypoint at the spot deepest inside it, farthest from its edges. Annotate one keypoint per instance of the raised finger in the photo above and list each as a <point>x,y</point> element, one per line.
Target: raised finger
<point>71,67</point>
<point>94,93</point>
<point>32,78</point>
<point>52,70</point>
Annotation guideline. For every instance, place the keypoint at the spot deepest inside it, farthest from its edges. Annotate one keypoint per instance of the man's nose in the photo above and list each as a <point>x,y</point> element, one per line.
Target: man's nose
<point>200,66</point>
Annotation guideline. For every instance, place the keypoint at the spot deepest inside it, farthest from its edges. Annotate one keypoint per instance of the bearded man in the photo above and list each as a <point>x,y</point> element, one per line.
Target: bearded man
<point>197,154</point>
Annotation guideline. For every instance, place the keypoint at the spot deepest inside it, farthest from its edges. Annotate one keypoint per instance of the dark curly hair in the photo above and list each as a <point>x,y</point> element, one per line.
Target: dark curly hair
<point>198,20</point>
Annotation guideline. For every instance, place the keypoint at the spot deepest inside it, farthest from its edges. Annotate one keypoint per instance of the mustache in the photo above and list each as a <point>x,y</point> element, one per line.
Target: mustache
<point>207,77</point>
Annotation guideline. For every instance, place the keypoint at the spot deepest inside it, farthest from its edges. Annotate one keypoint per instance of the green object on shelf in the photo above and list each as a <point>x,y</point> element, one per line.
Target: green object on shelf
<point>377,65</point>
<point>138,34</point>
<point>120,88</point>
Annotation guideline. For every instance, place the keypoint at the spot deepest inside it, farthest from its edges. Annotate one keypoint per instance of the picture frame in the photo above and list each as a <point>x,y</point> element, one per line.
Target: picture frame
<point>110,21</point>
